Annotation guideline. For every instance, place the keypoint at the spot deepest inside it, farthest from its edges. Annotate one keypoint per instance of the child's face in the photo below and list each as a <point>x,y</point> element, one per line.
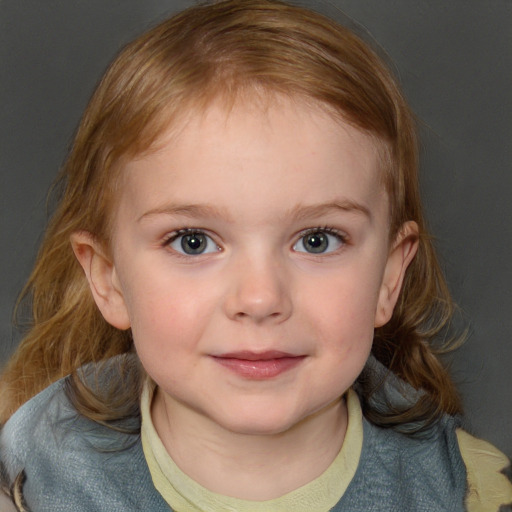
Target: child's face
<point>251,260</point>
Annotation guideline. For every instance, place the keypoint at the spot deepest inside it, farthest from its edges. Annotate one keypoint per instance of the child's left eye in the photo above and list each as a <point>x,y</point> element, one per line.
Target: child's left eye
<point>319,241</point>
<point>192,243</point>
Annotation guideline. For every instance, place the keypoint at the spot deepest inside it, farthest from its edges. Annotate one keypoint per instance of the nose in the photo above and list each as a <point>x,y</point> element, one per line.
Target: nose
<point>258,291</point>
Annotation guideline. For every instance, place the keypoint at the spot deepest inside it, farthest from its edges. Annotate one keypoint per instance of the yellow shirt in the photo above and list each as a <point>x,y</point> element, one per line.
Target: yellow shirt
<point>488,488</point>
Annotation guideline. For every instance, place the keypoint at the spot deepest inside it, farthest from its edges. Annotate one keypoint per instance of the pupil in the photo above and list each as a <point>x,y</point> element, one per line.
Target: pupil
<point>194,243</point>
<point>316,242</point>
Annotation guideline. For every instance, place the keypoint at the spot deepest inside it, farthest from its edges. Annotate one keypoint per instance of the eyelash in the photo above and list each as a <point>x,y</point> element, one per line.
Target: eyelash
<point>172,237</point>
<point>341,237</point>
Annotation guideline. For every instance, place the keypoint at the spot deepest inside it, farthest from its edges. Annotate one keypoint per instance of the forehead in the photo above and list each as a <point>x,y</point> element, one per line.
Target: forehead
<point>261,154</point>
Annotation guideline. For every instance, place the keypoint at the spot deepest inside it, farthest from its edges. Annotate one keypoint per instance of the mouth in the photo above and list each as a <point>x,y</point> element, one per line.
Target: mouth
<point>259,365</point>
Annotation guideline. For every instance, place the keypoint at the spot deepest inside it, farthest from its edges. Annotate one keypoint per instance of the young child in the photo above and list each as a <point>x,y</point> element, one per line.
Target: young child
<point>236,303</point>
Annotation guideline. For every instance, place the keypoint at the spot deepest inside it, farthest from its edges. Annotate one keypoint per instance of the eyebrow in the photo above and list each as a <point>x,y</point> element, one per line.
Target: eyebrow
<point>299,212</point>
<point>302,212</point>
<point>187,210</point>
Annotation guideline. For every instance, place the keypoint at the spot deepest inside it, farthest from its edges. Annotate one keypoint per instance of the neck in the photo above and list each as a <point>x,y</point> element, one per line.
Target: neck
<point>250,467</point>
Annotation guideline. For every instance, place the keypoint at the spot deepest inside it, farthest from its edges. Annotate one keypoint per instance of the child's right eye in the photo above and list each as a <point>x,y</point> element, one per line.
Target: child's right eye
<point>192,242</point>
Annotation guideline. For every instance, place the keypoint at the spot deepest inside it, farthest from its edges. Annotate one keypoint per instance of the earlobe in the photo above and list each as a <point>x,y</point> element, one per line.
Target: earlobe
<point>401,254</point>
<point>101,275</point>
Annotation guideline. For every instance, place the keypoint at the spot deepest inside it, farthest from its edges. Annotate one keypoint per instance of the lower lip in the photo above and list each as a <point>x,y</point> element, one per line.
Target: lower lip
<point>260,369</point>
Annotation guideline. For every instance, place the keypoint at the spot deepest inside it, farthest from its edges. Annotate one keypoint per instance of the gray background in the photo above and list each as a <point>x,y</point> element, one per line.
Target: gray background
<point>454,59</point>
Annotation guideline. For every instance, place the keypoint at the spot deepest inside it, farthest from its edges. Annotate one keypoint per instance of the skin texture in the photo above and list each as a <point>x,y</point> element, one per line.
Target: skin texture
<point>255,181</point>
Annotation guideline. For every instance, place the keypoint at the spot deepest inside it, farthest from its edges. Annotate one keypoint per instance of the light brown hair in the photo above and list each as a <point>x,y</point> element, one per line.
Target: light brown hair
<point>227,48</point>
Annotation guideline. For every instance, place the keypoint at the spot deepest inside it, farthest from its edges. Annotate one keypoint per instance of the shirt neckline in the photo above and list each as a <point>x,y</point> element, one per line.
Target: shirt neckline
<point>185,495</point>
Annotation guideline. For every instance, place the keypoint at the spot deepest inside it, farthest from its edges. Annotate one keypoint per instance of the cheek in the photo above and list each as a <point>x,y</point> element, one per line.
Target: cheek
<point>342,310</point>
<point>166,330</point>
<point>166,314</point>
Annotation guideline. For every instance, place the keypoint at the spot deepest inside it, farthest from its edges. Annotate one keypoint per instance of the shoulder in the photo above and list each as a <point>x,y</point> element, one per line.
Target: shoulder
<point>72,463</point>
<point>408,472</point>
<point>30,427</point>
<point>48,435</point>
<point>425,455</point>
<point>26,442</point>
<point>408,444</point>
<point>442,464</point>
<point>489,474</point>
<point>48,426</point>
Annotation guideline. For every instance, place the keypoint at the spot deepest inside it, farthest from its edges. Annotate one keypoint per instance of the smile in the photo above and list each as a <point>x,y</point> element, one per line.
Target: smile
<point>258,366</point>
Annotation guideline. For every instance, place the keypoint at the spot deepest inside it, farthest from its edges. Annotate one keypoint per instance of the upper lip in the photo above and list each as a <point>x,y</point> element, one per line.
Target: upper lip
<point>248,355</point>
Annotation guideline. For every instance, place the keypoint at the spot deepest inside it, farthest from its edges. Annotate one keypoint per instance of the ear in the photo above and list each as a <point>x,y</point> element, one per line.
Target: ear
<point>400,256</point>
<point>102,278</point>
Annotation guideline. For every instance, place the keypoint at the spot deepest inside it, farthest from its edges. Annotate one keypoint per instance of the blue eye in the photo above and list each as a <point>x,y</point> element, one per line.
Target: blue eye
<point>319,241</point>
<point>192,243</point>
